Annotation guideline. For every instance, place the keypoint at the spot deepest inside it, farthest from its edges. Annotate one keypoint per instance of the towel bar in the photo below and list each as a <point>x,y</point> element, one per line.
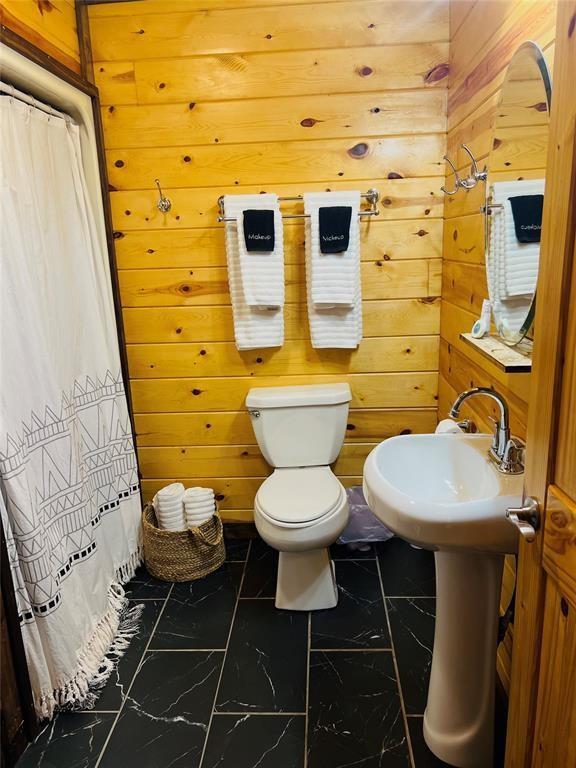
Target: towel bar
<point>372,196</point>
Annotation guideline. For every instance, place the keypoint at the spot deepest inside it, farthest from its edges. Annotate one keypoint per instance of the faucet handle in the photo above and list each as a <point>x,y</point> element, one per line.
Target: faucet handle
<point>467,426</point>
<point>513,459</point>
<point>496,432</point>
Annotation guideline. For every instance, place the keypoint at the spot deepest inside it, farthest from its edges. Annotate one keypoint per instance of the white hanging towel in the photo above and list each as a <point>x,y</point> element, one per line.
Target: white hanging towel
<point>333,285</point>
<point>333,276</point>
<point>256,280</point>
<point>515,264</point>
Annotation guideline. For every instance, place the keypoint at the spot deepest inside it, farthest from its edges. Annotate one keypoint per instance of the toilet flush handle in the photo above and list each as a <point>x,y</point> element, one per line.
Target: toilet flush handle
<point>254,413</point>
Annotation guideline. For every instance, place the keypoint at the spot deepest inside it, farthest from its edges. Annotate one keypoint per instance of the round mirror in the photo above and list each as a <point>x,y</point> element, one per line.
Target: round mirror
<point>515,193</point>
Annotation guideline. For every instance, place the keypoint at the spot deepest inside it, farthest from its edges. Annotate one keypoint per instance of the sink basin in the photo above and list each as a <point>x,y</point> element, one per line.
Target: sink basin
<point>443,492</point>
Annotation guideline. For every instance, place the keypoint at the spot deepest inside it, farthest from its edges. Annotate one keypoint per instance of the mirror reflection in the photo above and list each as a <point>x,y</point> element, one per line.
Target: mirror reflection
<point>515,193</point>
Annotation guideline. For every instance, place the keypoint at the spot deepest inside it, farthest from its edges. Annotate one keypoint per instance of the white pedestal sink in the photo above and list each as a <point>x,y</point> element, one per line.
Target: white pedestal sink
<point>443,493</point>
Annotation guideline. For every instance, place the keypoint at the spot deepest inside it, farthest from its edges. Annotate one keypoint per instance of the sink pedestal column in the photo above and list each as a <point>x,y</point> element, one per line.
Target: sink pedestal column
<point>459,717</point>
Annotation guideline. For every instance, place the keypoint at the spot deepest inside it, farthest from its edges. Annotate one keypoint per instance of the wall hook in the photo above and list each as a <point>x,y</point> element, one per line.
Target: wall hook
<point>164,204</point>
<point>470,181</point>
<point>475,175</point>
<point>457,180</point>
<point>373,196</point>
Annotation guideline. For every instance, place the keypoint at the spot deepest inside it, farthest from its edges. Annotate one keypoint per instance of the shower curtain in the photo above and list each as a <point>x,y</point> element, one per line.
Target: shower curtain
<point>71,501</point>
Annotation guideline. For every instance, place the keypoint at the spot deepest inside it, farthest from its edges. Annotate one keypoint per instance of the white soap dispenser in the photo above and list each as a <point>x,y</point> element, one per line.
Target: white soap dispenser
<point>482,326</point>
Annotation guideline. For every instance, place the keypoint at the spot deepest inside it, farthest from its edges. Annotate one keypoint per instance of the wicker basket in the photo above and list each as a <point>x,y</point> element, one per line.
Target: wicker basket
<point>182,555</point>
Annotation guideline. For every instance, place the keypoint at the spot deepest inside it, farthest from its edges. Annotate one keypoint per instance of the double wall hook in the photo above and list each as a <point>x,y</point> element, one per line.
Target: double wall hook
<point>457,180</point>
<point>164,204</point>
<point>470,181</point>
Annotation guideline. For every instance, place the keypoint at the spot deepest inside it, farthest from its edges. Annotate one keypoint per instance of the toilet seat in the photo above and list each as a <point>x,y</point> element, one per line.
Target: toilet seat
<point>299,497</point>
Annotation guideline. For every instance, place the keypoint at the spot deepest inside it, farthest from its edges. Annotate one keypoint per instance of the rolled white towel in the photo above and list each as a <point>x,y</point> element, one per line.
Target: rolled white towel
<point>197,519</point>
<point>174,490</point>
<point>169,507</point>
<point>199,510</point>
<point>192,494</point>
<point>198,497</point>
<point>194,522</point>
<point>199,505</point>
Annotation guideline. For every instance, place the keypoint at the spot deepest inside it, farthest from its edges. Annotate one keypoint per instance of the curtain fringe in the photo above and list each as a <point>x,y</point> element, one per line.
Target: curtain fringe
<point>101,654</point>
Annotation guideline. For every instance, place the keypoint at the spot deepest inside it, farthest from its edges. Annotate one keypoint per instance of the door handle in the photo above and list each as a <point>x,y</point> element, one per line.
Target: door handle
<point>526,518</point>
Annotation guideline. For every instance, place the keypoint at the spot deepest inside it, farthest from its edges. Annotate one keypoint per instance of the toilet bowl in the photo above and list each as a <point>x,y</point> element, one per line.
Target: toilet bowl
<point>302,508</point>
<point>300,512</point>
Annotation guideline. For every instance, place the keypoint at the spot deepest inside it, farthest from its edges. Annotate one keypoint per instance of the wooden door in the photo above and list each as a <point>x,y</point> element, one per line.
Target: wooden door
<point>542,718</point>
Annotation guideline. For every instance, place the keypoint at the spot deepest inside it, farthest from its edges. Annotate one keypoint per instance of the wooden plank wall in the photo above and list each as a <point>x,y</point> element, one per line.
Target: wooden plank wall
<point>251,95</point>
<point>48,24</point>
<point>483,38</point>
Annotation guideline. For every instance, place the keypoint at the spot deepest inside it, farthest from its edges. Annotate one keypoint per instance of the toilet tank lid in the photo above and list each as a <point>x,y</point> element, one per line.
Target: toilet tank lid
<point>310,394</point>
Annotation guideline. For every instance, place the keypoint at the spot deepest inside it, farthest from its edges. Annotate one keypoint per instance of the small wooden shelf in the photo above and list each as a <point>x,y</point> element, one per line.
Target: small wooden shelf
<point>516,359</point>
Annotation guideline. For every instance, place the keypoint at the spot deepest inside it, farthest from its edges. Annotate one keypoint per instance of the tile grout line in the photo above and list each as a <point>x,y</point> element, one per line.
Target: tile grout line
<point>213,711</point>
<point>187,650</point>
<point>125,696</point>
<point>398,681</point>
<point>411,597</point>
<point>307,704</point>
<point>390,597</point>
<point>147,599</point>
<point>364,649</point>
<point>260,714</point>
<point>256,598</point>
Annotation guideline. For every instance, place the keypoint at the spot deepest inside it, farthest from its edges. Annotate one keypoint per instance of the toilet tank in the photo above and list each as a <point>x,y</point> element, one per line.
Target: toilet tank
<point>299,426</point>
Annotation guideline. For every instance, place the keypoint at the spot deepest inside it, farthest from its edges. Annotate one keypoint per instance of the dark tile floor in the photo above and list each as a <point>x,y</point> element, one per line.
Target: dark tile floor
<point>218,678</point>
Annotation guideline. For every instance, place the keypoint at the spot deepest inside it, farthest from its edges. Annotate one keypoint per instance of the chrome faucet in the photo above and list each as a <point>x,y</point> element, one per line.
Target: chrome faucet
<point>506,452</point>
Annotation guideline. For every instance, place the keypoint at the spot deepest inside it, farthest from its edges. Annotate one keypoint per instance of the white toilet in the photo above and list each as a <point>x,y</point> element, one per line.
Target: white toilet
<point>302,507</point>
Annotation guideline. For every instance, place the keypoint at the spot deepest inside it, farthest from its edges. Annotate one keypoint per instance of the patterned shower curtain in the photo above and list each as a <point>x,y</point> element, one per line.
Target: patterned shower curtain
<point>70,494</point>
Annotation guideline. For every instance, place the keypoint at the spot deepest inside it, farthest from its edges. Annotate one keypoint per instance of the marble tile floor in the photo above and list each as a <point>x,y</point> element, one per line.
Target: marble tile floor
<point>218,678</point>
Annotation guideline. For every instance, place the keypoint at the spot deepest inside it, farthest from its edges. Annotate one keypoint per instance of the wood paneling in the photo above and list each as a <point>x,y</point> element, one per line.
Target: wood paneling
<point>310,117</point>
<point>565,473</point>
<point>377,355</point>
<point>159,325</point>
<point>255,96</point>
<point>209,285</point>
<point>485,43</point>
<point>377,390</point>
<point>266,162</point>
<point>560,540</point>
<point>555,740</point>
<point>122,8</point>
<point>234,427</point>
<point>232,30</point>
<point>546,628</point>
<point>293,73</point>
<point>483,39</point>
<point>49,25</point>
<point>380,240</point>
<point>197,207</point>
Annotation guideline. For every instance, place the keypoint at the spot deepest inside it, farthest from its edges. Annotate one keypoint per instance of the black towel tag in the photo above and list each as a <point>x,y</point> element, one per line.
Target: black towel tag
<point>334,225</point>
<point>527,213</point>
<point>259,230</point>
